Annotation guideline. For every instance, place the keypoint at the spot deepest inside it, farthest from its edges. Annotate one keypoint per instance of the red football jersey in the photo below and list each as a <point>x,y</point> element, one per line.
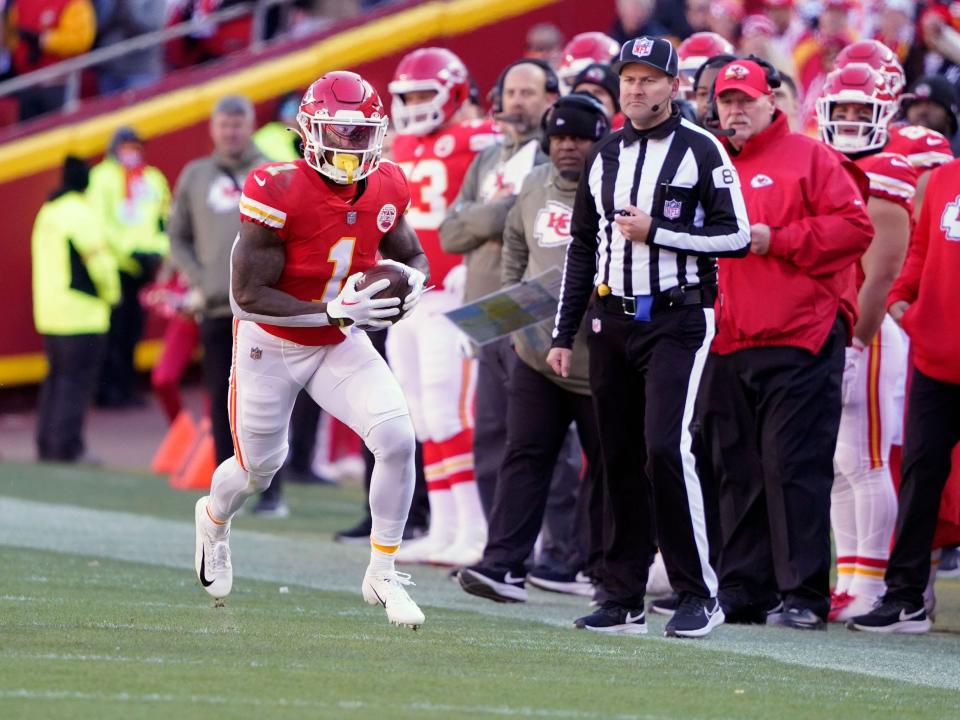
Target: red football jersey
<point>435,165</point>
<point>327,236</point>
<point>892,177</point>
<point>924,148</point>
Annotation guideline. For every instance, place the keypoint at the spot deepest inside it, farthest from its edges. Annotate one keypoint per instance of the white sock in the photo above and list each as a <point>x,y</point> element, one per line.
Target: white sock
<point>391,485</point>
<point>876,507</point>
<point>843,520</point>
<point>443,518</point>
<point>231,486</point>
<point>471,522</point>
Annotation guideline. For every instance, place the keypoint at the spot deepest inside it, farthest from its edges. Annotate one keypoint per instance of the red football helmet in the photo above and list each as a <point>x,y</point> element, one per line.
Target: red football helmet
<point>343,124</point>
<point>585,49</point>
<point>858,84</point>
<point>427,69</point>
<point>878,56</point>
<point>694,52</point>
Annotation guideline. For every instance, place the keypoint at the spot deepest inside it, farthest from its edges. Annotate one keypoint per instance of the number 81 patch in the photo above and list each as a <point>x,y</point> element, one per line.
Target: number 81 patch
<point>725,176</point>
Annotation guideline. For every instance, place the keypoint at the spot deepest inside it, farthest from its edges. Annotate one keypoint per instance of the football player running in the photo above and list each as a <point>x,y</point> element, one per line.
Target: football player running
<point>309,229</point>
<point>853,114</point>
<point>430,89</point>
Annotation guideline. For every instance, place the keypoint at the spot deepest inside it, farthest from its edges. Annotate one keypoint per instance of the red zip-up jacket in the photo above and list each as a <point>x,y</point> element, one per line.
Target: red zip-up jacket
<point>819,229</point>
<point>930,277</point>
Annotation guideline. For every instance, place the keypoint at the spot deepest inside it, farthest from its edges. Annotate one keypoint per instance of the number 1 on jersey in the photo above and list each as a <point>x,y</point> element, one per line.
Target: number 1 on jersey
<point>341,255</point>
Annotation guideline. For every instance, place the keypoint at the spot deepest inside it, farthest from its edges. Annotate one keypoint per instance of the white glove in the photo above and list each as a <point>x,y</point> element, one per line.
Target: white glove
<point>358,307</point>
<point>851,369</point>
<point>416,280</point>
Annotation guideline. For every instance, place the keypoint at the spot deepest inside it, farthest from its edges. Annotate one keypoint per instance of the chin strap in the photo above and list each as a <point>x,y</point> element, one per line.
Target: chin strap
<point>348,163</point>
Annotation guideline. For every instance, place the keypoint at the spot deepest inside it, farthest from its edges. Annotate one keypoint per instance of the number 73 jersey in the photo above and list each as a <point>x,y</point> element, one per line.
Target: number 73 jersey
<point>435,165</point>
<point>327,233</point>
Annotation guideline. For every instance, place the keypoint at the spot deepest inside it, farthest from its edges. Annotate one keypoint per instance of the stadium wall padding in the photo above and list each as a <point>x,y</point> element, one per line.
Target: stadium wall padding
<point>486,34</point>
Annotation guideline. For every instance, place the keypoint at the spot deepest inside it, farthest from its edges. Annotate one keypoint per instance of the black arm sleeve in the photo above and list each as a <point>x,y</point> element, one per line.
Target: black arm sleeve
<point>580,267</point>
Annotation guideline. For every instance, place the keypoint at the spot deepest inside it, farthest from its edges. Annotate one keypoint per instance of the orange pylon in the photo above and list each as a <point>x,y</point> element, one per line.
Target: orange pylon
<point>196,470</point>
<point>176,445</point>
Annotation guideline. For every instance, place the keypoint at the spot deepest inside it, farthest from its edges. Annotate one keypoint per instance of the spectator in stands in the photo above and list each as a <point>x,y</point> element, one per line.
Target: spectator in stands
<point>634,19</point>
<point>697,16</point>
<point>127,19</point>
<point>474,227</point>
<point>895,27</point>
<point>75,283</point>
<point>757,37</point>
<point>44,32</point>
<point>545,41</point>
<point>204,221</point>
<point>724,19</point>
<point>790,27</point>
<point>132,200</point>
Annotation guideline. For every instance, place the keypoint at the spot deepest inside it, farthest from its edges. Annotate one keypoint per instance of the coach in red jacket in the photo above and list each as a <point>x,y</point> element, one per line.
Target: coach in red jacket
<point>923,301</point>
<point>771,399</point>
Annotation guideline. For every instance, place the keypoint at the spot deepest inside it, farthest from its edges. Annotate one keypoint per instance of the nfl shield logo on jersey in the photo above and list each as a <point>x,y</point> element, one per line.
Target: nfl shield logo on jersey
<point>386,218</point>
<point>642,47</point>
<point>671,209</point>
<point>352,217</point>
<point>595,325</point>
<point>256,353</point>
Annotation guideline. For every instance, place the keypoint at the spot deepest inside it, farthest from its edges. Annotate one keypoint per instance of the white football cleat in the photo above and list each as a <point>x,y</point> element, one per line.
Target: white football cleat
<point>212,556</point>
<point>417,551</point>
<point>460,554</point>
<point>386,588</point>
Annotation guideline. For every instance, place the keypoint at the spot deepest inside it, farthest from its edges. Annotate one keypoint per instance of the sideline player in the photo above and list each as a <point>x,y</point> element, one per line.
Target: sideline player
<point>430,89</point>
<point>309,229</point>
<point>853,114</point>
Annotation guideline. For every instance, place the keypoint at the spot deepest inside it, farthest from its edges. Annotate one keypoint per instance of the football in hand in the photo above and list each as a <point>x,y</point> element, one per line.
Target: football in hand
<point>399,286</point>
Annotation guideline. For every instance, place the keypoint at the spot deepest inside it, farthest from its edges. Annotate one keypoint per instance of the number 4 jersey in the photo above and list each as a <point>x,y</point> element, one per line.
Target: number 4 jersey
<point>435,165</point>
<point>328,233</point>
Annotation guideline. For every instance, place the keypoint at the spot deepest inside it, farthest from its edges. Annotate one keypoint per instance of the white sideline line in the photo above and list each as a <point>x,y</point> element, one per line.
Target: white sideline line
<point>342,705</point>
<point>324,566</point>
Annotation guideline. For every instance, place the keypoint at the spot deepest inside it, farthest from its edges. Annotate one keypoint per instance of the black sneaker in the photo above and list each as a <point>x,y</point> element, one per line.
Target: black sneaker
<point>357,535</point>
<point>561,582</point>
<point>492,585</point>
<point>801,619</point>
<point>949,563</point>
<point>893,616</point>
<point>694,617</point>
<point>613,618</point>
<point>768,613</point>
<point>271,507</point>
<point>665,606</point>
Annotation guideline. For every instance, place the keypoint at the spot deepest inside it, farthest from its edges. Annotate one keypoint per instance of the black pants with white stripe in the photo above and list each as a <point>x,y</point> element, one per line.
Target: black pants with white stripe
<point>644,377</point>
<point>932,431</point>
<point>770,417</point>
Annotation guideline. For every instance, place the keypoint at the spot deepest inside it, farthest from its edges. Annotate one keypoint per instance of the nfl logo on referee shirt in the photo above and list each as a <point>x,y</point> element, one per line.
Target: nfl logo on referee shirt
<point>256,353</point>
<point>352,217</point>
<point>595,325</point>
<point>642,47</point>
<point>671,209</point>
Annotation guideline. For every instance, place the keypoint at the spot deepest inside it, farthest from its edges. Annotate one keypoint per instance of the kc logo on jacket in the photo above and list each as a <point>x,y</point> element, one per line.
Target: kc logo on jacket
<point>551,228</point>
<point>759,181</point>
<point>950,220</point>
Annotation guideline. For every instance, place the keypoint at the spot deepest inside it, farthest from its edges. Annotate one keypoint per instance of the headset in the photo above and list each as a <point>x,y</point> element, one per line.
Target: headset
<point>579,101</point>
<point>552,84</point>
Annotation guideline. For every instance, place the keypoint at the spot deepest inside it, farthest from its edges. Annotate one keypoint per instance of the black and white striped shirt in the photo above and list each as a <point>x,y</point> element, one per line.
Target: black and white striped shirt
<point>681,176</point>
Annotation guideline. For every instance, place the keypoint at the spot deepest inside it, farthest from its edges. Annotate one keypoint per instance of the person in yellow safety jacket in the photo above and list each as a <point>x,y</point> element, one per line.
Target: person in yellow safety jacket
<point>133,202</point>
<point>278,140</point>
<point>75,283</point>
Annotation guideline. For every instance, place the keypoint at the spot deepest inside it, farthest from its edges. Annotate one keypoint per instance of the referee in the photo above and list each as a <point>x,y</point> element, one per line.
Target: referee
<point>658,202</point>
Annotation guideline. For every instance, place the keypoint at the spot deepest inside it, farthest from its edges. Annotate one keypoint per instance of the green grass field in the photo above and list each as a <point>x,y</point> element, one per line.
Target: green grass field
<point>101,617</point>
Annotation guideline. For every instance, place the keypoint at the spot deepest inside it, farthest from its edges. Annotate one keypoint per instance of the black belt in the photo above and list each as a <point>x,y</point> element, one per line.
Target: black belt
<point>704,296</point>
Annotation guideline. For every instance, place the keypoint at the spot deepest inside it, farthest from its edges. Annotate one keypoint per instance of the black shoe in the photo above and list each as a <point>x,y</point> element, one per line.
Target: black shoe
<point>271,507</point>
<point>694,617</point>
<point>665,606</point>
<point>893,616</point>
<point>568,583</point>
<point>492,585</point>
<point>299,476</point>
<point>768,613</point>
<point>801,619</point>
<point>613,618</point>
<point>357,535</point>
<point>412,532</point>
